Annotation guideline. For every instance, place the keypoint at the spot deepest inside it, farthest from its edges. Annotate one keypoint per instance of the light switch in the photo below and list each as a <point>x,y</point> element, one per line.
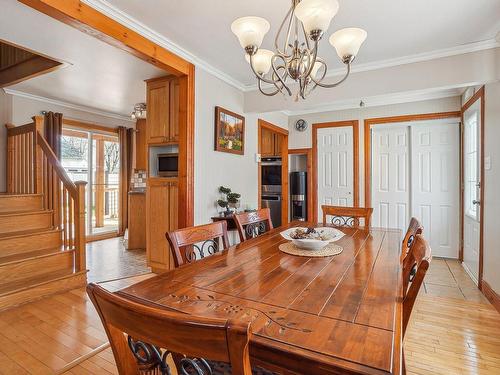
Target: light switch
<point>257,158</point>
<point>487,163</point>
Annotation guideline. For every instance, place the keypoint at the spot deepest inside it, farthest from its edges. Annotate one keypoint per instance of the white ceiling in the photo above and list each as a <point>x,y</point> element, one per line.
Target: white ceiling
<point>97,75</point>
<point>396,28</point>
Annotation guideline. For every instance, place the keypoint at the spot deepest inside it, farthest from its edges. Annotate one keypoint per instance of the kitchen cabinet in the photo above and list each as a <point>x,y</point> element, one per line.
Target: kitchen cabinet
<point>162,198</point>
<point>270,144</point>
<point>141,147</point>
<point>136,220</point>
<point>162,102</point>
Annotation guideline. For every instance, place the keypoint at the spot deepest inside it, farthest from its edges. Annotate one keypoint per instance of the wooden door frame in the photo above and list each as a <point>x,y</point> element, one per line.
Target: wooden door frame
<point>90,21</point>
<point>309,155</point>
<point>368,123</point>
<point>355,149</point>
<point>284,167</point>
<point>478,95</point>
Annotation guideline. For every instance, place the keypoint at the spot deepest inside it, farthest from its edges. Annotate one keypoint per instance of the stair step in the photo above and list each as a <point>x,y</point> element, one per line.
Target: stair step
<point>27,241</point>
<point>35,263</point>
<point>32,220</point>
<point>27,290</point>
<point>20,202</point>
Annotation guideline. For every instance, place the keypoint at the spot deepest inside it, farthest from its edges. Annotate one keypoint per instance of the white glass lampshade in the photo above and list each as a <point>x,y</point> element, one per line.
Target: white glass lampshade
<point>250,30</point>
<point>316,14</point>
<point>348,41</point>
<point>317,65</point>
<point>261,60</point>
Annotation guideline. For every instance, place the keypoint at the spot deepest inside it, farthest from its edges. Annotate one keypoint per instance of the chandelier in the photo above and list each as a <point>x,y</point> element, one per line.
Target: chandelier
<point>139,111</point>
<point>295,58</point>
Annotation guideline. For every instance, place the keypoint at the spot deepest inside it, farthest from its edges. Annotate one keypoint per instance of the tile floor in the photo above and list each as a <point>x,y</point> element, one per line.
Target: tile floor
<point>109,260</point>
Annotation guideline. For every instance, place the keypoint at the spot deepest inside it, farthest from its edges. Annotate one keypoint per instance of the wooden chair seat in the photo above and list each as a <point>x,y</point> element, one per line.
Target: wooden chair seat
<point>137,332</point>
<point>190,244</point>
<point>347,216</point>
<point>223,368</point>
<point>253,224</point>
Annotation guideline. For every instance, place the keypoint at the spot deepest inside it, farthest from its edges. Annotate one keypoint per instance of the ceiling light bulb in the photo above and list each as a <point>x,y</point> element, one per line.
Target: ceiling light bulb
<point>316,15</point>
<point>250,30</point>
<point>348,41</point>
<point>261,60</point>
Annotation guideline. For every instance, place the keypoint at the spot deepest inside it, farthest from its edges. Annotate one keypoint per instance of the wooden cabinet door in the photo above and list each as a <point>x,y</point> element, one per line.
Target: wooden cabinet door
<point>158,223</point>
<point>173,221</point>
<point>158,111</point>
<point>278,142</point>
<point>267,142</point>
<point>174,111</point>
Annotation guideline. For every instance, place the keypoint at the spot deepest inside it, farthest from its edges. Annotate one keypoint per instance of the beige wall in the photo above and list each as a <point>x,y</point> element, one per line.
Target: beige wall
<point>491,260</point>
<point>304,139</point>
<point>212,168</point>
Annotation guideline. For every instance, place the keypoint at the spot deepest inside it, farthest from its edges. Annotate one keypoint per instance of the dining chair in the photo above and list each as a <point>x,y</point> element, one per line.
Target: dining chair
<point>190,244</point>
<point>347,216</point>
<point>414,228</point>
<point>416,265</point>
<point>253,224</point>
<point>142,336</point>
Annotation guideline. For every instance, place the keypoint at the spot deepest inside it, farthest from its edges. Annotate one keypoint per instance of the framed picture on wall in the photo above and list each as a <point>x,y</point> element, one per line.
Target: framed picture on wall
<point>229,131</point>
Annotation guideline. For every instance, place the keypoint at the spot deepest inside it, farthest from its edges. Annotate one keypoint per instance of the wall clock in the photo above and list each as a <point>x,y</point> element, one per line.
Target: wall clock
<point>301,125</point>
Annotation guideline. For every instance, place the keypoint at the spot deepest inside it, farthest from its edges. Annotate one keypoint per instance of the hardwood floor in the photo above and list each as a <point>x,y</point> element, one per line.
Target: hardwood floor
<point>109,260</point>
<point>453,330</point>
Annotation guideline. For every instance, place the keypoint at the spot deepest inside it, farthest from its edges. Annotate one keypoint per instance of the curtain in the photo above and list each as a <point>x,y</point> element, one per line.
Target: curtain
<point>53,131</point>
<point>125,136</point>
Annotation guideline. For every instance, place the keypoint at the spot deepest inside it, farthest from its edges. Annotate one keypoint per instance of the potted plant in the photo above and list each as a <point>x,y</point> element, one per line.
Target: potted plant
<point>229,199</point>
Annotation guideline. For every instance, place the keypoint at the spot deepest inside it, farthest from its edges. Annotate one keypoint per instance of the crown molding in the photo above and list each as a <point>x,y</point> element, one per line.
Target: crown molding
<point>114,13</point>
<point>377,101</point>
<point>64,104</point>
<point>420,57</point>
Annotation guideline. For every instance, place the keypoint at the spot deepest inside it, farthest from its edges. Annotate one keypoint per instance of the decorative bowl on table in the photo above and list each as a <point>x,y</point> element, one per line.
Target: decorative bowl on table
<point>312,238</point>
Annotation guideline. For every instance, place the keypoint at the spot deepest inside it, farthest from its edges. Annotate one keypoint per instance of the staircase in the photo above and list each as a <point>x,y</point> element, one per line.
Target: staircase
<point>42,221</point>
<point>33,262</point>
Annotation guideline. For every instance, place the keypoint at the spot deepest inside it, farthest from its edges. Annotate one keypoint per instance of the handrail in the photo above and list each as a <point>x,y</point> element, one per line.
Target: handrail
<point>56,164</point>
<point>16,130</point>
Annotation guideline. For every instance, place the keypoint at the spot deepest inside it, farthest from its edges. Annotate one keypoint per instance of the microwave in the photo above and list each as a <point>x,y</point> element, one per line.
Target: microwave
<point>168,165</point>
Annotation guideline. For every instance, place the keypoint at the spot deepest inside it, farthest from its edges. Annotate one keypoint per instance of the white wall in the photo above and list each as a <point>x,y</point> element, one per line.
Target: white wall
<point>5,117</point>
<point>19,110</point>
<point>304,139</point>
<point>212,168</point>
<point>491,260</point>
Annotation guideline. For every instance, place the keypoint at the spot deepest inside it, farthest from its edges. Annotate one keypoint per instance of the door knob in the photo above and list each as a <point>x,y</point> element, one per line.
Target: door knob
<point>476,202</point>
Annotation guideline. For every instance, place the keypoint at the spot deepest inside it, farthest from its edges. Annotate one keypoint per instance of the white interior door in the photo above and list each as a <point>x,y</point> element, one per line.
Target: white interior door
<point>415,172</point>
<point>472,183</point>
<point>435,164</point>
<point>335,167</point>
<point>391,177</point>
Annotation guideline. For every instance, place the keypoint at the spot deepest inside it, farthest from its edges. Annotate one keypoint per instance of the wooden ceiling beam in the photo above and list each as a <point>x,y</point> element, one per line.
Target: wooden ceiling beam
<point>90,21</point>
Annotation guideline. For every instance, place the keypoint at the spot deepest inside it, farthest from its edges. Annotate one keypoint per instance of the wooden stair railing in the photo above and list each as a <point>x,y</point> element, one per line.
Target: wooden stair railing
<point>33,168</point>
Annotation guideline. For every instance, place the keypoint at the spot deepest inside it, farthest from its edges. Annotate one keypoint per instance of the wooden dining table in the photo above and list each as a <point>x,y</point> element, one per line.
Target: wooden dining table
<point>309,315</point>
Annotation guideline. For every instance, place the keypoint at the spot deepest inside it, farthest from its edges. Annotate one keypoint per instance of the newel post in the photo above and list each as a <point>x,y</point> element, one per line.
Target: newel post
<point>80,243</point>
<point>38,154</point>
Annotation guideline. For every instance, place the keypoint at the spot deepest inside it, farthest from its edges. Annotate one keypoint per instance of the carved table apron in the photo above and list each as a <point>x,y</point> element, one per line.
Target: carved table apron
<point>331,315</point>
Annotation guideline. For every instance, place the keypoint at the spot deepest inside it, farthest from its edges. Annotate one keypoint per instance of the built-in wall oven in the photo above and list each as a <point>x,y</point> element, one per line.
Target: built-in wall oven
<point>271,187</point>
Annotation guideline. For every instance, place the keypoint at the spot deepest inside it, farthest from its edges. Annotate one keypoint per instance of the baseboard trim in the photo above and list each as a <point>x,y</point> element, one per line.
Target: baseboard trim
<point>491,295</point>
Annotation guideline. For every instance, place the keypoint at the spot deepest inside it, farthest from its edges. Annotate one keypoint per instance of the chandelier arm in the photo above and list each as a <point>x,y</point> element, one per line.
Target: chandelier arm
<point>289,15</point>
<point>314,57</point>
<point>314,80</point>
<point>273,59</point>
<point>305,36</point>
<point>266,93</point>
<point>328,86</point>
